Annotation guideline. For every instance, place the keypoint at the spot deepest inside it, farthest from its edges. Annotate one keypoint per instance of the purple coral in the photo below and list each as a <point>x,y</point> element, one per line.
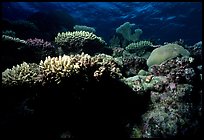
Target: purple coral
<point>39,43</point>
<point>38,49</point>
<point>177,70</point>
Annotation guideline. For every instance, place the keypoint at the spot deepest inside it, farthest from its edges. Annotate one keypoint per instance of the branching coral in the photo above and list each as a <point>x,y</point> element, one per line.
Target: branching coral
<point>79,41</point>
<point>23,74</point>
<point>9,38</point>
<point>125,30</point>
<point>84,28</point>
<point>141,48</point>
<point>58,68</point>
<point>139,44</point>
<point>39,49</point>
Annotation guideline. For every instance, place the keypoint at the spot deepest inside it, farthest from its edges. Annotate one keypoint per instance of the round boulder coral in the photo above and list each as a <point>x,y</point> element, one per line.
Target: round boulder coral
<point>166,52</point>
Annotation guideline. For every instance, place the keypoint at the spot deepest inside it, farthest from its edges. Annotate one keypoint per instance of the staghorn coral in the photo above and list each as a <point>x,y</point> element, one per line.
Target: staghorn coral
<point>165,53</point>
<point>125,30</point>
<point>20,75</point>
<point>84,28</point>
<point>79,41</point>
<point>84,66</point>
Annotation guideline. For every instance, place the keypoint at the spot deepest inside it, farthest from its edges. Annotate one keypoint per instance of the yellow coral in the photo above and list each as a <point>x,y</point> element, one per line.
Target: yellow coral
<point>20,74</point>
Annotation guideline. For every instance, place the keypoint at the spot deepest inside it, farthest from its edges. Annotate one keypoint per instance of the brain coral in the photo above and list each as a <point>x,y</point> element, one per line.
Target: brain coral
<point>79,41</point>
<point>166,52</point>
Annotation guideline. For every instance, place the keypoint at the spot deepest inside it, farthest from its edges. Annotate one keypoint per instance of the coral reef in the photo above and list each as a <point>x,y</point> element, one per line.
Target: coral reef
<point>114,42</point>
<point>65,89</point>
<point>196,51</point>
<point>79,41</point>
<point>143,84</point>
<point>141,48</point>
<point>166,52</point>
<point>173,109</point>
<point>179,70</point>
<point>13,39</point>
<point>132,65</point>
<point>22,75</point>
<point>173,114</point>
<point>125,30</point>
<point>117,51</point>
<point>38,49</point>
<point>84,28</point>
<point>139,44</point>
<point>57,68</point>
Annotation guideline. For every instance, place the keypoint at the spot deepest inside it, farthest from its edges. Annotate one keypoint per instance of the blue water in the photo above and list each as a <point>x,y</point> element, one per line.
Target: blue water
<point>160,21</point>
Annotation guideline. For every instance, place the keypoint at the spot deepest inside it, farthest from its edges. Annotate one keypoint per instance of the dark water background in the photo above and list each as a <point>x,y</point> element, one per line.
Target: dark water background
<point>160,21</point>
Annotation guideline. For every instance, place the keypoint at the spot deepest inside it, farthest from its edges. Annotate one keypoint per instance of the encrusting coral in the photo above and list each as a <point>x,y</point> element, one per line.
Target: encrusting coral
<point>179,70</point>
